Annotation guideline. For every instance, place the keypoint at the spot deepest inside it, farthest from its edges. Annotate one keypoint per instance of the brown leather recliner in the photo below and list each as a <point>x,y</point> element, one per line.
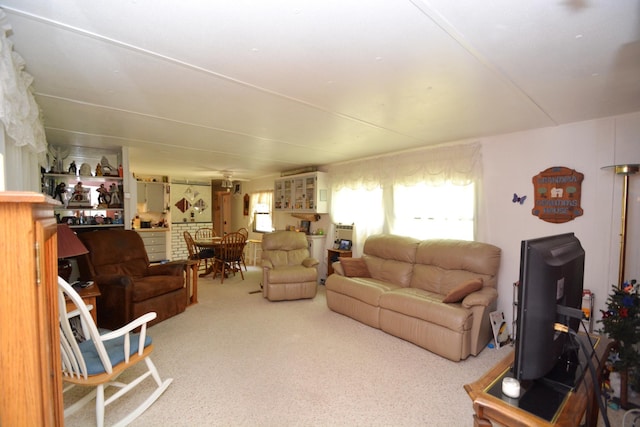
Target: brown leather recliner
<point>288,272</point>
<point>118,263</point>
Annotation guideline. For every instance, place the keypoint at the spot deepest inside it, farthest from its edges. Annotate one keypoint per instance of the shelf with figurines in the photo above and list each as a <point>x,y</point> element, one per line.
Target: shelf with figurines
<point>87,200</point>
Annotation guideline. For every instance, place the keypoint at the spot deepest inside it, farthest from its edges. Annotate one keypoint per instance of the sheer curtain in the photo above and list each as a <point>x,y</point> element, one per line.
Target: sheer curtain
<point>260,199</point>
<point>23,139</point>
<point>376,178</point>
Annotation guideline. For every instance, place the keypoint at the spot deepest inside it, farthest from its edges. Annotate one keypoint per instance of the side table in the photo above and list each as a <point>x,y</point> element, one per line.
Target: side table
<point>191,278</point>
<point>89,296</point>
<point>490,408</point>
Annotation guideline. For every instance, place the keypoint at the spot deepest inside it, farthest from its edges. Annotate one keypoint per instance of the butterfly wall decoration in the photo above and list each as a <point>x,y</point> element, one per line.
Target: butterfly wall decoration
<point>517,199</point>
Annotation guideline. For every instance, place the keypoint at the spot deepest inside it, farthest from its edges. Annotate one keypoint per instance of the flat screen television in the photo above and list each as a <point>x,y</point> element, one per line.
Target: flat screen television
<point>550,288</point>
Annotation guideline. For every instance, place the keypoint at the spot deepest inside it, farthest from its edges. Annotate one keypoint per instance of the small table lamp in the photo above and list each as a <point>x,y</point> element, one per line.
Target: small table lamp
<point>69,246</point>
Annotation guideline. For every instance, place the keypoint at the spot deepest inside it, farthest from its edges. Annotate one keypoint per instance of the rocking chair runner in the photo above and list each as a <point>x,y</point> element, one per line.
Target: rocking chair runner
<point>100,359</point>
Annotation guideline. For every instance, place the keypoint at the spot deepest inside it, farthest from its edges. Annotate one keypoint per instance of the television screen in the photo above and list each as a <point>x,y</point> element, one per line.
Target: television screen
<point>551,278</point>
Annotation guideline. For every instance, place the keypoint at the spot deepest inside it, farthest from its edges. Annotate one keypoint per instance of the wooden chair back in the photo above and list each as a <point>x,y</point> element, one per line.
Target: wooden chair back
<point>205,233</point>
<point>229,254</point>
<point>191,246</point>
<point>244,232</point>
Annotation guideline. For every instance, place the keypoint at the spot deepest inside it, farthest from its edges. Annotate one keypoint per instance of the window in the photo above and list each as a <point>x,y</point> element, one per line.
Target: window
<point>434,212</point>
<point>262,222</point>
<point>261,211</point>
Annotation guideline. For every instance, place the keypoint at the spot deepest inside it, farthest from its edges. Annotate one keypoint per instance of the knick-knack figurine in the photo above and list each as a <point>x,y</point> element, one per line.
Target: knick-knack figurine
<point>73,169</point>
<point>114,193</point>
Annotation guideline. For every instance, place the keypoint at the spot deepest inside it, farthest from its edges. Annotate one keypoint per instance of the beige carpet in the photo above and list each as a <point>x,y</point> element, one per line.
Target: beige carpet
<point>240,360</point>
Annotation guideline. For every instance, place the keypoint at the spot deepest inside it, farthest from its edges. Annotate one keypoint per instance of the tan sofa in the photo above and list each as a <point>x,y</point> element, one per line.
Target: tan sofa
<point>402,286</point>
<point>288,271</point>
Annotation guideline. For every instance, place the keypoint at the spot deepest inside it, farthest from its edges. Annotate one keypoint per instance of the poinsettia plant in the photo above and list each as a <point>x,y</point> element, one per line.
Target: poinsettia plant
<point>621,322</point>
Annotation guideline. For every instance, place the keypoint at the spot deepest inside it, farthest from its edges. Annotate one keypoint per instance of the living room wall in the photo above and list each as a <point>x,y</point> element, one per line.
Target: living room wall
<point>510,162</point>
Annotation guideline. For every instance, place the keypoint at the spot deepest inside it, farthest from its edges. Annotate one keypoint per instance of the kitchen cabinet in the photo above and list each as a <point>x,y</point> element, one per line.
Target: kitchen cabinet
<point>151,195</point>
<point>30,365</point>
<point>305,193</point>
<point>155,242</point>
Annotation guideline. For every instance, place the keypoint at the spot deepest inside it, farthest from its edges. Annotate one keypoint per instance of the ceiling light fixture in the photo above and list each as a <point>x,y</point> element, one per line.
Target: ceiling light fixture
<point>226,183</point>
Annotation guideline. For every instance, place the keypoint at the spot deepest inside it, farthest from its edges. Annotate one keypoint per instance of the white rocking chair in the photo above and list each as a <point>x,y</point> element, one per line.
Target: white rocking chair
<point>100,359</point>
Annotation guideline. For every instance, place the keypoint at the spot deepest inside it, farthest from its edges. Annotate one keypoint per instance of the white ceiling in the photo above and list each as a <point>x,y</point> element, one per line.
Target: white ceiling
<point>195,88</point>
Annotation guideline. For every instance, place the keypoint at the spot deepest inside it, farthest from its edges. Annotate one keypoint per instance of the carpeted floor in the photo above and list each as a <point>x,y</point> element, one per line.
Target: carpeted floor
<point>240,360</point>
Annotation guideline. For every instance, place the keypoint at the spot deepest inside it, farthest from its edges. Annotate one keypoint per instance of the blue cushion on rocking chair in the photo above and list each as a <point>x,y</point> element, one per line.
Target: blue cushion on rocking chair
<point>115,350</point>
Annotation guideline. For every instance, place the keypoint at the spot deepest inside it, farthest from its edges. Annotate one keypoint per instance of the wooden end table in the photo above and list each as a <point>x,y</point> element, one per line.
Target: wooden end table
<point>489,408</point>
<point>89,295</point>
<point>191,278</point>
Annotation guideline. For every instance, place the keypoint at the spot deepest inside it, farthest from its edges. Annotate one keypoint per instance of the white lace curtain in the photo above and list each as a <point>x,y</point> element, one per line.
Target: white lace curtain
<point>23,131</point>
<point>458,164</point>
<point>362,191</point>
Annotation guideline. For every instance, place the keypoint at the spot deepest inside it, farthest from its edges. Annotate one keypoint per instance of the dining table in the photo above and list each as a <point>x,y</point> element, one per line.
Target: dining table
<point>208,243</point>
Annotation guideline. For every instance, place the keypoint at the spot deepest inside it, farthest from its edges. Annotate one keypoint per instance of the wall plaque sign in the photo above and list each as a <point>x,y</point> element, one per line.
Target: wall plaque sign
<point>557,193</point>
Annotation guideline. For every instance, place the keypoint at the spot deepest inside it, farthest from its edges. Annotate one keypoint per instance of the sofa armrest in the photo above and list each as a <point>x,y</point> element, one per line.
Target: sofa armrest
<point>337,268</point>
<point>310,262</point>
<point>174,269</point>
<point>484,297</point>
<point>114,300</point>
<point>267,264</point>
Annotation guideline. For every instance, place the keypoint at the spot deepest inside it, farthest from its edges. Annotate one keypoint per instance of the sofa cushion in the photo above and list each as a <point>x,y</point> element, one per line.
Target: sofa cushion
<point>285,248</point>
<point>427,306</point>
<point>452,261</point>
<point>354,267</point>
<point>367,290</point>
<point>387,246</point>
<point>390,258</point>
<point>152,286</point>
<point>458,293</point>
<point>389,270</point>
<point>292,274</point>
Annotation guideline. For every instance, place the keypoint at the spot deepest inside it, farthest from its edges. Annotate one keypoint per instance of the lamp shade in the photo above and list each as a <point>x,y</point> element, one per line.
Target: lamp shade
<point>68,243</point>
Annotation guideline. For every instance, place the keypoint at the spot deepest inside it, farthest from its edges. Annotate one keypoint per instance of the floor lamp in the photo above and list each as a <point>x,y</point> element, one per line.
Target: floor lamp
<point>625,171</point>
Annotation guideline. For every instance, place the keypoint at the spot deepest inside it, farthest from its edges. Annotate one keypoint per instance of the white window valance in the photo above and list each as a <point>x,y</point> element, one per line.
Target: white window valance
<point>457,164</point>
<point>19,113</point>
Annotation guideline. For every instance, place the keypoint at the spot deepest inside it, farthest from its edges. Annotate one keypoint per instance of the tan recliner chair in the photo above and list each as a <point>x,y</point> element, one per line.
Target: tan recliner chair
<point>288,271</point>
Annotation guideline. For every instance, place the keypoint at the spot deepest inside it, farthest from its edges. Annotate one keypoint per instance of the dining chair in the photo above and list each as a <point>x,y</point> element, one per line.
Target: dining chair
<point>228,256</point>
<point>99,360</point>
<point>196,253</point>
<point>205,233</point>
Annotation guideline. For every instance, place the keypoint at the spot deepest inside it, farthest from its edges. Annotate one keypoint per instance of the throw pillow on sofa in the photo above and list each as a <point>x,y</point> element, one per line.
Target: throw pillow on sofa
<point>458,293</point>
<point>354,267</point>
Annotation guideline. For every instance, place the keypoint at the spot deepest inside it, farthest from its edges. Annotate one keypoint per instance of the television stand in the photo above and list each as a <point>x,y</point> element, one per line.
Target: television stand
<point>571,366</point>
<point>490,405</point>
